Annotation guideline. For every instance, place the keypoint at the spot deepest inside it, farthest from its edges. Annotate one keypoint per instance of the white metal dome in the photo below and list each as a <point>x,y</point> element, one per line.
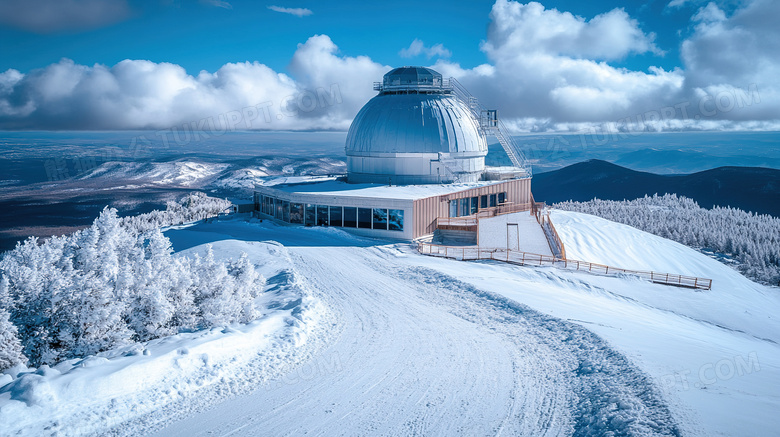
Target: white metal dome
<point>415,132</point>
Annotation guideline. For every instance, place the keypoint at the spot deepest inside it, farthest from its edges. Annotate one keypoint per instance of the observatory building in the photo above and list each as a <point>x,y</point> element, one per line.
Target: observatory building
<point>415,131</point>
<point>415,153</point>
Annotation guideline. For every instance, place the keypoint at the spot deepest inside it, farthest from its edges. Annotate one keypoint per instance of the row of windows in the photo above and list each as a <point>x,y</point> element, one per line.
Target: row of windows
<point>325,215</point>
<point>471,205</point>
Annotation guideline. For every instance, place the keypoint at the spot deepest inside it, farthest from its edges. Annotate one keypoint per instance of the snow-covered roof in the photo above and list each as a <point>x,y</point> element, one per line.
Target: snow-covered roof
<point>337,187</point>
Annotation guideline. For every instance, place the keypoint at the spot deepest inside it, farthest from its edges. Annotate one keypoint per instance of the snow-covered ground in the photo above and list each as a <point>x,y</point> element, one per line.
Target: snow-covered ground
<point>142,386</point>
<point>391,342</point>
<point>516,231</point>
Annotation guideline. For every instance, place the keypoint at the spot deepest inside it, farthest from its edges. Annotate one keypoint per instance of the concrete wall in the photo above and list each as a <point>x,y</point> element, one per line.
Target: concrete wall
<point>526,233</point>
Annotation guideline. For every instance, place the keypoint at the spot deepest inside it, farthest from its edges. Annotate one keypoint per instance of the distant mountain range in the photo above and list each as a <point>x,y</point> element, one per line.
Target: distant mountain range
<point>755,189</point>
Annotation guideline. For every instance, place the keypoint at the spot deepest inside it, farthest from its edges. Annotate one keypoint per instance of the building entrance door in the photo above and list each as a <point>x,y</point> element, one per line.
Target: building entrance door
<point>512,236</point>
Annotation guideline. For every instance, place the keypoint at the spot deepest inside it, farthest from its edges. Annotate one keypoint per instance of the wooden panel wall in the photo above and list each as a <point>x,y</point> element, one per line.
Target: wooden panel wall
<point>427,210</point>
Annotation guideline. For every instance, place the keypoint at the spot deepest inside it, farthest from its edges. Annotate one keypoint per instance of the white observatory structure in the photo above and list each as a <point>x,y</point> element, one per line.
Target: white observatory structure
<point>415,154</point>
<point>415,131</point>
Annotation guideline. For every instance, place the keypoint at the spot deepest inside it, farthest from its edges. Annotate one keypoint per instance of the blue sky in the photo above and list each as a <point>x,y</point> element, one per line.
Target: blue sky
<point>199,35</point>
<point>558,65</point>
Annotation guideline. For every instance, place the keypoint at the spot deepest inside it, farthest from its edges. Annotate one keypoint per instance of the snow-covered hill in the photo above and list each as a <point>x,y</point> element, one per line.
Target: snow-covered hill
<point>397,343</point>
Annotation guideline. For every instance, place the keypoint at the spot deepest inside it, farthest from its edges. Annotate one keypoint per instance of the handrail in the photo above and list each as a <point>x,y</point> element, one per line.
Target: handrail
<point>499,129</point>
<point>493,211</point>
<point>552,236</point>
<point>466,253</point>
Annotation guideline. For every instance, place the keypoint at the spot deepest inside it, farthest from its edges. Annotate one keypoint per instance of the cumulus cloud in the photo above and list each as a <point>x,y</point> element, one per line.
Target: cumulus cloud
<point>547,67</point>
<point>540,82</point>
<point>317,65</point>
<point>417,48</point>
<point>736,52</point>
<point>730,80</point>
<point>137,94</point>
<point>47,16</point>
<point>298,12</point>
<point>530,28</point>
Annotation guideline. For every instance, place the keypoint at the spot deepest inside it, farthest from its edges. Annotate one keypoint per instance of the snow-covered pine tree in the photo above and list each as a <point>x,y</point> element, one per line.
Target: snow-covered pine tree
<point>249,284</point>
<point>10,346</point>
<point>215,290</point>
<point>151,309</point>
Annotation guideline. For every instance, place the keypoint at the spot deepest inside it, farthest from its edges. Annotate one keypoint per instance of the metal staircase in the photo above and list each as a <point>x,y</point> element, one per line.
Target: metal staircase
<point>489,123</point>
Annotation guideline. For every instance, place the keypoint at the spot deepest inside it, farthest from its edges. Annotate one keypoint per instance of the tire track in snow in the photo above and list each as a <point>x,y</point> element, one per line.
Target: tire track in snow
<point>612,396</point>
<point>422,353</point>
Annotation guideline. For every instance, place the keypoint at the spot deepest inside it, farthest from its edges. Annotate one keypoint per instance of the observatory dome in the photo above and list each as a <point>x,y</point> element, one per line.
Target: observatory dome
<point>415,131</point>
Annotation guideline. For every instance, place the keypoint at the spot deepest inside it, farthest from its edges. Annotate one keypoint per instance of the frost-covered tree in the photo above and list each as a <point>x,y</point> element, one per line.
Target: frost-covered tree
<point>116,282</point>
<point>215,295</point>
<point>154,297</point>
<point>753,240</point>
<point>96,318</point>
<point>10,346</point>
<point>249,285</point>
<point>192,207</point>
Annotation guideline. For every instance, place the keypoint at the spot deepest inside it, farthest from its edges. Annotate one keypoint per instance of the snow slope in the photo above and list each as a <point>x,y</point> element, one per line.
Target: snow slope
<point>420,352</point>
<point>405,344</point>
<point>164,378</point>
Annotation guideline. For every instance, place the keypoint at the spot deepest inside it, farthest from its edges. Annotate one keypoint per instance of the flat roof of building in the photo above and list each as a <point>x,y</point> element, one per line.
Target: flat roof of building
<point>331,186</point>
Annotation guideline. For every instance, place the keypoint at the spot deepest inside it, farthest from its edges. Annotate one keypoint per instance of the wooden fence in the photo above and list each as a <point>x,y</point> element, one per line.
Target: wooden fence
<point>556,244</point>
<point>467,253</point>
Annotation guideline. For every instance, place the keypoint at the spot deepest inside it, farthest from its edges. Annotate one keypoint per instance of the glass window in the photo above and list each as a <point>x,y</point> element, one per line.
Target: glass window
<point>483,202</point>
<point>474,206</point>
<point>286,211</point>
<point>396,219</point>
<point>269,205</point>
<point>364,218</point>
<point>453,208</point>
<point>501,198</point>
<point>296,213</point>
<point>322,215</point>
<point>464,206</point>
<point>311,212</point>
<point>350,217</point>
<point>278,213</point>
<point>257,201</point>
<point>335,216</point>
<point>380,218</point>
<point>492,200</point>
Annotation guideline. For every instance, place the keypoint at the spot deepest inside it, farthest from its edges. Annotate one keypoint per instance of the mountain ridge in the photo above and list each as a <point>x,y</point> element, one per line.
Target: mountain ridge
<point>754,189</point>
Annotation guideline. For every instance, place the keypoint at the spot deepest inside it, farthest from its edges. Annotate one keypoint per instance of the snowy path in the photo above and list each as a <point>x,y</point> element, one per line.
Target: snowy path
<point>418,352</point>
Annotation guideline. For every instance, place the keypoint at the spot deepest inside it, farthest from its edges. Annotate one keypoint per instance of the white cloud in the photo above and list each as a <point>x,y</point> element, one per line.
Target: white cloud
<point>731,65</point>
<point>530,28</point>
<point>417,47</point>
<point>678,3</point>
<point>542,70</point>
<point>47,16</point>
<point>218,3</point>
<point>137,94</point>
<point>736,52</point>
<point>298,12</point>
<point>316,65</point>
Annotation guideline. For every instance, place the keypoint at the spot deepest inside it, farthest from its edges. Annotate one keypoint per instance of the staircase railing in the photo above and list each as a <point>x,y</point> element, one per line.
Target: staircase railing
<point>492,125</point>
